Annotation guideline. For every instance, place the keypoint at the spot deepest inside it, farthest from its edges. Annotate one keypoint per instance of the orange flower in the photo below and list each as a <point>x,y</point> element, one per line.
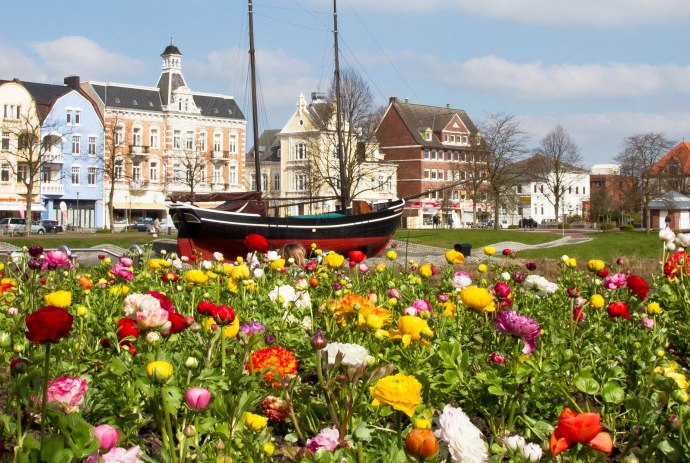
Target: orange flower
<point>281,362</point>
<point>350,306</point>
<point>580,428</point>
<point>85,283</point>
<point>374,317</point>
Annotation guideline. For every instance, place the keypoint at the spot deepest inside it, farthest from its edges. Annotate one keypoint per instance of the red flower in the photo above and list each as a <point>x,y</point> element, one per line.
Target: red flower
<point>206,308</point>
<point>256,243</point>
<point>48,324</point>
<point>618,309</point>
<point>278,360</point>
<point>126,327</point>
<point>223,315</point>
<point>676,264</point>
<point>603,273</point>
<point>637,285</point>
<point>177,322</point>
<point>169,277</point>
<point>166,304</point>
<point>580,428</point>
<point>578,315</point>
<point>356,256</point>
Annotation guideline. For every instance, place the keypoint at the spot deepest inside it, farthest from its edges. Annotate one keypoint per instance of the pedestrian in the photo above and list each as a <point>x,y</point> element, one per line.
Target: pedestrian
<point>157,225</point>
<point>436,221</point>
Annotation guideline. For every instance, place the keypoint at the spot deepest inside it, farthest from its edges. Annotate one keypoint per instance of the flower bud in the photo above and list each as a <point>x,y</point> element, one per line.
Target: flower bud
<point>191,363</point>
<point>318,341</point>
<point>159,371</point>
<point>18,366</point>
<point>531,452</point>
<point>421,443</point>
<point>189,430</point>
<point>515,442</point>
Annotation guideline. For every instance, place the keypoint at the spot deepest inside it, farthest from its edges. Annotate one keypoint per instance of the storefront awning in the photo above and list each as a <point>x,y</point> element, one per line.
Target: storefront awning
<point>18,206</point>
<point>140,206</point>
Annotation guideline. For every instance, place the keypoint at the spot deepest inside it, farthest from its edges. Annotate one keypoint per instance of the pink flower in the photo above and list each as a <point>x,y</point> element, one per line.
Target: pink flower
<point>364,268</point>
<point>522,326</point>
<point>197,398</point>
<point>502,289</point>
<point>615,281</point>
<point>55,259</point>
<point>120,455</point>
<point>648,323</point>
<point>420,305</point>
<point>326,439</point>
<point>394,292</point>
<point>107,436</point>
<point>166,303</point>
<point>497,358</point>
<point>578,314</point>
<point>67,392</point>
<point>461,279</point>
<point>123,272</point>
<point>126,261</point>
<point>153,318</point>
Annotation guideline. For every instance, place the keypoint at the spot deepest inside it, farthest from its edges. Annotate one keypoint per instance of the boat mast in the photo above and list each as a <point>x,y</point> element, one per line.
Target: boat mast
<point>255,121</point>
<point>338,121</point>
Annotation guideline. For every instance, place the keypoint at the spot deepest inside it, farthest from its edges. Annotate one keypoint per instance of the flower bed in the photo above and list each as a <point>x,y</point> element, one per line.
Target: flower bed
<point>257,359</point>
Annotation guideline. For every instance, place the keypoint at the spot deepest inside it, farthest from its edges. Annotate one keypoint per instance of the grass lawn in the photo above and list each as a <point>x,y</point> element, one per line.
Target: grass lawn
<point>477,238</point>
<point>82,240</point>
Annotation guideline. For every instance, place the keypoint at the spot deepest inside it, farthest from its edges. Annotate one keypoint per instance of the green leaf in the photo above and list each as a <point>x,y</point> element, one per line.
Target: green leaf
<point>585,382</point>
<point>672,450</point>
<point>362,432</point>
<point>496,390</point>
<point>613,393</point>
<point>172,399</point>
<point>54,445</point>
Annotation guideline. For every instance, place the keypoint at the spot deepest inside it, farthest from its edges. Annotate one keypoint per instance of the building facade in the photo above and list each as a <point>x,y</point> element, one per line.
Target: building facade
<point>167,139</point>
<point>434,147</point>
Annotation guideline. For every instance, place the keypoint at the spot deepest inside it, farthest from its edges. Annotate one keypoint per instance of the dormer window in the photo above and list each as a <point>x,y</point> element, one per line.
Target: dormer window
<point>427,135</point>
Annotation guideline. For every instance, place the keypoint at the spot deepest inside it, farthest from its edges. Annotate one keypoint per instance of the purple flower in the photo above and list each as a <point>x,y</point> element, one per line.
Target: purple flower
<point>531,266</point>
<point>327,439</point>
<point>126,261</point>
<point>519,276</point>
<point>35,250</point>
<point>443,297</point>
<point>502,289</point>
<point>522,326</point>
<point>251,328</point>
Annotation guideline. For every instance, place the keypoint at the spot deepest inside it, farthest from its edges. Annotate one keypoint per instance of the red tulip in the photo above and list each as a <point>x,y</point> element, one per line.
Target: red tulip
<point>580,428</point>
<point>356,256</point>
<point>256,243</point>
<point>48,324</point>
<point>618,309</point>
<point>637,285</point>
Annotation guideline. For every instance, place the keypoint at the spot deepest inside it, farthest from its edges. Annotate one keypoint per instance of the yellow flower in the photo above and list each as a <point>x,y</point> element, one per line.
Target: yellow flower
<point>455,257</point>
<point>254,421</point>
<point>571,262</point>
<point>62,299</point>
<point>195,276</point>
<point>597,301</point>
<point>476,298</point>
<point>481,268</point>
<point>82,311</point>
<point>374,317</point>
<point>595,265</point>
<point>679,378</point>
<point>2,266</point>
<point>240,272</point>
<point>412,328</point>
<point>269,448</point>
<point>334,260</point>
<point>211,275</point>
<point>391,255</point>
<point>422,423</point>
<point>229,330</point>
<point>224,459</point>
<point>402,392</point>
<point>278,264</point>
<point>159,371</point>
<point>489,250</point>
<point>232,285</point>
<point>119,290</point>
<point>449,308</point>
<point>155,264</point>
<point>426,270</point>
<point>380,267</point>
<point>653,308</point>
<point>225,268</point>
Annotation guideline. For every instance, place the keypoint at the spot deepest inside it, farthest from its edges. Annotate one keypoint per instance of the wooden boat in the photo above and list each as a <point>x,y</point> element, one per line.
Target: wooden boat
<point>363,227</point>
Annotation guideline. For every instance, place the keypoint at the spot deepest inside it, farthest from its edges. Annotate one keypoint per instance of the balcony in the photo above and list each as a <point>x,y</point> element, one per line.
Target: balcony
<point>219,186</point>
<point>52,188</point>
<point>53,158</point>
<point>217,154</point>
<point>138,150</point>
<point>138,185</point>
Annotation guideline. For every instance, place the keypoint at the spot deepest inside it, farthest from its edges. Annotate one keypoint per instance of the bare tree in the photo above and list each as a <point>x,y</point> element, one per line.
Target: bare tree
<point>360,118</point>
<point>30,153</point>
<point>112,160</point>
<point>195,169</point>
<point>558,158</point>
<point>637,158</point>
<point>504,144</point>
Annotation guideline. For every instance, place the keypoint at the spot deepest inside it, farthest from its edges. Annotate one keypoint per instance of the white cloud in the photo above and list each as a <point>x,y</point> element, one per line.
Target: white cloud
<point>538,82</point>
<point>13,63</point>
<point>75,55</point>
<point>599,13</point>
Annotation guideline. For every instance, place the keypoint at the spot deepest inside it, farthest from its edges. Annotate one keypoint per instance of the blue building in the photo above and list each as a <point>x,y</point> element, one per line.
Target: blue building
<point>72,159</point>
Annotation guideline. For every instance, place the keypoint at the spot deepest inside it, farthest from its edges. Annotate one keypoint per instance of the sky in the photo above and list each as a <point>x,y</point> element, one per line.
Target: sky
<point>602,69</point>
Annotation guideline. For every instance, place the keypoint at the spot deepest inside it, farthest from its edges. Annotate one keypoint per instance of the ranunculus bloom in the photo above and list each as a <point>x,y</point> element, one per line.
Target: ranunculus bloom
<point>615,281</point>
<point>165,303</point>
<point>62,299</point>
<point>580,428</point>
<point>67,392</point>
<point>122,272</point>
<point>618,309</point>
<point>476,298</point>
<point>107,436</point>
<point>489,250</point>
<point>502,289</point>
<point>352,354</point>
<point>54,260</point>
<point>402,392</point>
<point>356,256</point>
<point>275,409</point>
<point>648,323</point>
<point>327,439</point>
<point>676,264</point>
<point>48,324</point>
<point>153,318</point>
<point>177,323</point>
<point>256,243</point>
<point>597,301</point>
<point>224,315</point>
<point>159,371</point>
<point>464,439</point>
<point>427,270</point>
<point>522,326</point>
<point>638,286</point>
<point>197,398</point>
<point>126,327</point>
<point>454,257</point>
<point>497,358</point>
<point>333,260</point>
<point>421,443</point>
<point>412,328</point>
<point>595,265</point>
<point>281,362</point>
<point>195,276</point>
<point>254,421</point>
<point>121,455</point>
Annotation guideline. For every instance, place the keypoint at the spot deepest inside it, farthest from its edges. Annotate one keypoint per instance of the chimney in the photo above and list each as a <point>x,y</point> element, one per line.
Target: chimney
<point>72,82</point>
<point>447,105</point>
<point>392,100</point>
<point>407,100</point>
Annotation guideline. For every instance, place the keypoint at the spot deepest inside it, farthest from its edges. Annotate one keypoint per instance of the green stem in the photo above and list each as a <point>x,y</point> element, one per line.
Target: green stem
<point>222,347</point>
<point>44,402</point>
<point>293,417</point>
<point>168,430</point>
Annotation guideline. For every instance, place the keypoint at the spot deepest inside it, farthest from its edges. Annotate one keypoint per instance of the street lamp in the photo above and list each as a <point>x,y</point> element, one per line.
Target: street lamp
<point>78,213</point>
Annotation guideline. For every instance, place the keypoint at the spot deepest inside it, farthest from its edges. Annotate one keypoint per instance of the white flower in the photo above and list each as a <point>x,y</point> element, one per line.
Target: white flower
<point>461,280</point>
<point>303,300</point>
<point>177,263</point>
<point>258,273</point>
<point>564,258</point>
<point>543,286</point>
<point>218,256</point>
<point>505,276</point>
<point>272,255</point>
<point>670,245</point>
<point>152,337</point>
<point>515,442</point>
<point>206,265</point>
<point>301,284</point>
<point>464,440</point>
<point>140,302</point>
<point>306,323</point>
<point>666,234</point>
<point>284,295</point>
<point>354,355</point>
<point>184,258</point>
<point>531,452</point>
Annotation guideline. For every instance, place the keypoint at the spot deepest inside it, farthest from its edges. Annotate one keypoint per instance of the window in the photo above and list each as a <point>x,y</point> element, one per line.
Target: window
<point>5,140</point>
<point>69,116</point>
<point>232,144</point>
<point>5,172</point>
<point>92,146</point>
<point>22,173</point>
<point>119,136</point>
<point>76,173</point>
<point>440,174</point>
<point>154,138</point>
<point>217,141</point>
<point>76,145</point>
<point>177,172</point>
<point>445,138</point>
<point>25,141</point>
<point>299,182</point>
<point>385,184</point>
<point>299,152</point>
<point>427,154</point>
<point>433,174</point>
<point>118,171</point>
<point>535,187</point>
<point>217,174</point>
<point>136,172</point>
<point>276,182</point>
<point>202,174</point>
<point>189,140</point>
<point>433,154</point>
<point>136,136</point>
<point>177,143</point>
<point>12,111</point>
<point>232,175</point>
<point>441,155</point>
<point>426,173</point>
<point>91,176</point>
<point>77,117</point>
<point>202,142</point>
<point>153,171</point>
<point>583,190</point>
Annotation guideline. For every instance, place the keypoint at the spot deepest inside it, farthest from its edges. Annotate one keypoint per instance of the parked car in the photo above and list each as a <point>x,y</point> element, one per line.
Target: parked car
<point>51,226</point>
<point>37,227</point>
<point>16,225</point>
<point>145,225</point>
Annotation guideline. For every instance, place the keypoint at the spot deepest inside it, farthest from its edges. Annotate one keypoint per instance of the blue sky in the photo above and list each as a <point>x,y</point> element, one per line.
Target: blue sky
<point>603,69</point>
